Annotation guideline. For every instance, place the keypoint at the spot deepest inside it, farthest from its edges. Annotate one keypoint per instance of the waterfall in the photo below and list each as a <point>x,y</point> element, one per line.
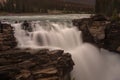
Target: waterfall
<point>48,34</point>
<point>90,63</point>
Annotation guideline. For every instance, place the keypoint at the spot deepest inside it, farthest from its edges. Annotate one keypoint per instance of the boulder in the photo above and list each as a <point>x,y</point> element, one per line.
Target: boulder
<point>26,26</point>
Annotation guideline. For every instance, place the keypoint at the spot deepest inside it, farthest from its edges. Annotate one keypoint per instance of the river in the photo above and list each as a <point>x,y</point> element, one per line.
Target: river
<point>57,32</point>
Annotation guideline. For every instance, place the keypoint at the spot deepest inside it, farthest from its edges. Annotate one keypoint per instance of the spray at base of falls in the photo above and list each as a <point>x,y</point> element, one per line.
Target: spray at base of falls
<point>90,63</point>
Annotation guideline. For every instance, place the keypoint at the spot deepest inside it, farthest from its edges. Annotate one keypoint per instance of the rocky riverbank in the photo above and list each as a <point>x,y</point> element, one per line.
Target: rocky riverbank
<point>100,31</point>
<point>35,65</point>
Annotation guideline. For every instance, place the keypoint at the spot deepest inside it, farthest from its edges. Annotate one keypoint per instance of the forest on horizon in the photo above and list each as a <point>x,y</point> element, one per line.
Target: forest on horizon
<point>43,6</point>
<point>107,7</point>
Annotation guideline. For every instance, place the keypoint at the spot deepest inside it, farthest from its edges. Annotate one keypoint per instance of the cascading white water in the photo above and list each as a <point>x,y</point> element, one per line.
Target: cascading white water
<point>48,34</point>
<point>90,63</point>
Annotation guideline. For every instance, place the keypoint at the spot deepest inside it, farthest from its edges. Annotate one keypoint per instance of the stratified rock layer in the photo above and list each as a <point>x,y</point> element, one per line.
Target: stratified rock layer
<point>35,65</point>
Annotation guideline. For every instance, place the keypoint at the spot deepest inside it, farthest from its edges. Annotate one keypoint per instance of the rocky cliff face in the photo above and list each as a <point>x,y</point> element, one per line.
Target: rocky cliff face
<point>35,65</point>
<point>100,31</point>
<point>7,39</point>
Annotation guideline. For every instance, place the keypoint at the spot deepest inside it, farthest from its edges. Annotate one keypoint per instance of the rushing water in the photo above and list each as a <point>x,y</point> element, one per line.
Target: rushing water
<point>90,63</point>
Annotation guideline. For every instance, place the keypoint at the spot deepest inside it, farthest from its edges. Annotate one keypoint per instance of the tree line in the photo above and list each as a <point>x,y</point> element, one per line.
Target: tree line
<point>107,7</point>
<point>20,6</point>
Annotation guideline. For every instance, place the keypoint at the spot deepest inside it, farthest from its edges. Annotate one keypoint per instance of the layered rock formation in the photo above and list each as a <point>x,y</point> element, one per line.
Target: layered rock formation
<point>100,31</point>
<point>7,39</point>
<point>35,65</point>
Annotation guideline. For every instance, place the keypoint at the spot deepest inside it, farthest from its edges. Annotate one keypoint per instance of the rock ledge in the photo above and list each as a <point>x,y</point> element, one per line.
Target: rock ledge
<point>35,65</point>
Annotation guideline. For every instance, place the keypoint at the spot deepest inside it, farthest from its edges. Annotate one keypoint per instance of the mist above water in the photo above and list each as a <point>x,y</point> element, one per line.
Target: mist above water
<point>90,63</point>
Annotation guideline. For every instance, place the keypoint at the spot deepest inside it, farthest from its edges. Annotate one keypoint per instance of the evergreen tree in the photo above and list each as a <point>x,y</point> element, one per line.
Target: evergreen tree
<point>107,7</point>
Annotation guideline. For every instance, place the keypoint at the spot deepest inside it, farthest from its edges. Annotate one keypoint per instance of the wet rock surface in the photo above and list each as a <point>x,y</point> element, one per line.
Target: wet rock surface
<point>7,39</point>
<point>35,65</point>
<point>100,31</point>
<point>27,26</point>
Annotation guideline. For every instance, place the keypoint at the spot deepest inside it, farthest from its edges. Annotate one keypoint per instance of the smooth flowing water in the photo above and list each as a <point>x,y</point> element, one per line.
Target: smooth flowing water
<point>90,63</point>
